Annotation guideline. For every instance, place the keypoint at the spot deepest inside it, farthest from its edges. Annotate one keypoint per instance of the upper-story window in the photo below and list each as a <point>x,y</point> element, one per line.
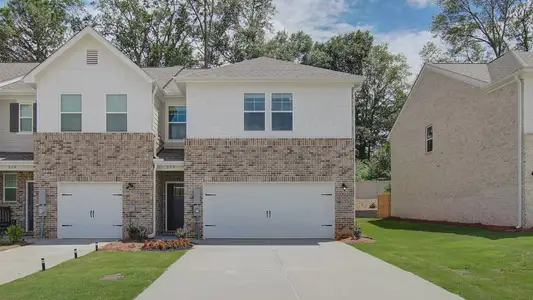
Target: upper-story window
<point>281,112</point>
<point>10,187</point>
<point>177,122</point>
<point>429,138</point>
<point>116,113</point>
<point>70,113</point>
<point>254,112</point>
<point>25,117</point>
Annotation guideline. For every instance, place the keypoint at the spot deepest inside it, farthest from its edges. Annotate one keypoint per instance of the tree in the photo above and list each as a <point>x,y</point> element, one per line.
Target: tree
<point>378,167</point>
<point>293,47</point>
<point>30,30</point>
<point>152,33</point>
<point>478,30</point>
<point>230,30</point>
<point>522,26</point>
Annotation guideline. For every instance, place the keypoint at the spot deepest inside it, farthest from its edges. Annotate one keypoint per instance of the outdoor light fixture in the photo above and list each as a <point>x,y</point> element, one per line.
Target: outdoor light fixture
<point>344,186</point>
<point>130,186</point>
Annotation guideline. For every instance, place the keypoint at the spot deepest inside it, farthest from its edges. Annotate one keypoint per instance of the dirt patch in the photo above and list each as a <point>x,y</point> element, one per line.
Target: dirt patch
<point>475,225</point>
<point>123,247</point>
<point>362,240</point>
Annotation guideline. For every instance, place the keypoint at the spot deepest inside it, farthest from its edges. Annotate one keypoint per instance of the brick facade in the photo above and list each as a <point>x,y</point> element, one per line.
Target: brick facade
<point>272,160</point>
<point>96,157</point>
<point>161,179</point>
<point>18,208</point>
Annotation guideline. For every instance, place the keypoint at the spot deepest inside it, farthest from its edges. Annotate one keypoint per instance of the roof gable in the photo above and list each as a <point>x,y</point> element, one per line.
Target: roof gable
<point>30,77</point>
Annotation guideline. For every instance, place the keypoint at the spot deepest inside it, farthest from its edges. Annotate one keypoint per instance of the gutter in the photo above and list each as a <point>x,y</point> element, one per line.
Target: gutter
<point>152,235</point>
<point>520,151</point>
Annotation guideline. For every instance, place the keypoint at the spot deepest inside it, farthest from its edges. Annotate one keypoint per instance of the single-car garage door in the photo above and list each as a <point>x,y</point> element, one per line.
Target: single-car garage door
<point>89,210</point>
<point>269,210</point>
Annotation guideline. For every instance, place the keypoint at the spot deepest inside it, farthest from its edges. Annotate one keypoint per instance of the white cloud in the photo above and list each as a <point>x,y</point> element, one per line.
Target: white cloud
<point>322,19</point>
<point>419,3</point>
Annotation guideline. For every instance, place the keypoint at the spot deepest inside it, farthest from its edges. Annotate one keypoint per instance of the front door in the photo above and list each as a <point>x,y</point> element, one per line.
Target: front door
<point>29,197</point>
<point>175,206</point>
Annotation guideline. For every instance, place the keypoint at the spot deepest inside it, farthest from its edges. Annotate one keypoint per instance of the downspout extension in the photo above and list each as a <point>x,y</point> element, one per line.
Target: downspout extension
<point>520,152</point>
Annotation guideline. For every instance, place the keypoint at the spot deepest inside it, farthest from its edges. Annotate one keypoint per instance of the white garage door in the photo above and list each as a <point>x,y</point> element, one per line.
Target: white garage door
<point>269,210</point>
<point>89,210</point>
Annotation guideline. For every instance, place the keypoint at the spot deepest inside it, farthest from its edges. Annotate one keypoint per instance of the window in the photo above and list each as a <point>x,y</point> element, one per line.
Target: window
<point>26,118</point>
<point>281,112</point>
<point>10,187</point>
<point>429,138</point>
<point>116,113</point>
<point>254,112</point>
<point>177,122</point>
<point>70,113</point>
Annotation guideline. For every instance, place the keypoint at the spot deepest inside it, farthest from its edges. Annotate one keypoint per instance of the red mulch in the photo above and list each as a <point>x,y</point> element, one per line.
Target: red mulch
<point>475,225</point>
<point>123,247</point>
<point>363,240</point>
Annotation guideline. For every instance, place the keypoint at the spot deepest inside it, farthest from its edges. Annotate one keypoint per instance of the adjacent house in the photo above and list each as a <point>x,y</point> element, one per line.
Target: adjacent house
<point>91,143</point>
<point>462,147</point>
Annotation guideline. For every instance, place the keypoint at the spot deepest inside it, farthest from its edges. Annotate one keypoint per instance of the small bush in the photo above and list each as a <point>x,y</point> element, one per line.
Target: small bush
<point>372,205</point>
<point>357,232</point>
<point>15,234</point>
<point>388,188</point>
<point>137,232</point>
<point>181,233</point>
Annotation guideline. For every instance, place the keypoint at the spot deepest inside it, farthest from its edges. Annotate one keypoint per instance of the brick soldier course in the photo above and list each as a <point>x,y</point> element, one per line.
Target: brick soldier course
<point>273,160</point>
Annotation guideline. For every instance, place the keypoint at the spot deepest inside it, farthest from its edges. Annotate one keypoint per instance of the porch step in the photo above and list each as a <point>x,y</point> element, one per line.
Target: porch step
<point>28,233</point>
<point>168,233</point>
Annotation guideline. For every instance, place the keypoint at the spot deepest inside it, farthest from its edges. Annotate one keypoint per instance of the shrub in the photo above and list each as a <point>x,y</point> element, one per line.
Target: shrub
<point>14,234</point>
<point>181,233</point>
<point>388,188</point>
<point>357,232</point>
<point>372,205</point>
<point>137,232</point>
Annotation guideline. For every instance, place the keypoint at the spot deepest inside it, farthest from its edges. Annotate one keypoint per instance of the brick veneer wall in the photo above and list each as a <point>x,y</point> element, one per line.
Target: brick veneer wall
<point>272,160</point>
<point>18,208</point>
<point>96,157</point>
<point>161,178</point>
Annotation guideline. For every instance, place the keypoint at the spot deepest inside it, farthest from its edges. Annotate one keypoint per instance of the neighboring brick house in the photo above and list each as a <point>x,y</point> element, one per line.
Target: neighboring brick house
<point>91,143</point>
<point>462,146</point>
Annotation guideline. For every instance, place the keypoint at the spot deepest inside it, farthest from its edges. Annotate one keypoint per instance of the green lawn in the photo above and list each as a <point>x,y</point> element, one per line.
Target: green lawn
<point>471,262</point>
<point>80,279</point>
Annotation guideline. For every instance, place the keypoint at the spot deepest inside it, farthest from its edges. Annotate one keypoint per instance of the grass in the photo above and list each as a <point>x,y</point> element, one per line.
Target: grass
<point>471,262</point>
<point>80,279</point>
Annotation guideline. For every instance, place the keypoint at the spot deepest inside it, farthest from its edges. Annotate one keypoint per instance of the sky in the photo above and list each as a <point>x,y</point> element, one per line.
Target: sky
<point>403,24</point>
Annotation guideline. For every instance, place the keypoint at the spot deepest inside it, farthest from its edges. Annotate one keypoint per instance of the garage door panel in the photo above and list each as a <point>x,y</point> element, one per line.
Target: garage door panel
<point>269,210</point>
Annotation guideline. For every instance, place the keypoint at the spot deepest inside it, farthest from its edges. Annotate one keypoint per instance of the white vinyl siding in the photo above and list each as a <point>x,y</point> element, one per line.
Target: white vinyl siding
<point>10,187</point>
<point>116,113</point>
<point>71,115</point>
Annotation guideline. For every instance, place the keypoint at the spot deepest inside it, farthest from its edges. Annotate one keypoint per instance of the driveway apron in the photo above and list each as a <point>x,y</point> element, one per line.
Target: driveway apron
<point>329,270</point>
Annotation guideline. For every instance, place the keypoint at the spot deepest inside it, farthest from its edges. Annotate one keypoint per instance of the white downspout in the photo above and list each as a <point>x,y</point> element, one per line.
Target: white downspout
<point>154,175</point>
<point>520,151</point>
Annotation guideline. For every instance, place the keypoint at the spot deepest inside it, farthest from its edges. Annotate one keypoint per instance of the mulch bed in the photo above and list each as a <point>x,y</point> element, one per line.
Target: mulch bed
<point>123,247</point>
<point>363,240</point>
<point>474,225</point>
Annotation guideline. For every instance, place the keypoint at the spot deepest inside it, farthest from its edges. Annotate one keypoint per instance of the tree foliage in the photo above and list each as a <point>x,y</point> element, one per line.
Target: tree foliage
<point>151,33</point>
<point>30,30</point>
<point>378,167</point>
<point>290,47</point>
<point>479,30</point>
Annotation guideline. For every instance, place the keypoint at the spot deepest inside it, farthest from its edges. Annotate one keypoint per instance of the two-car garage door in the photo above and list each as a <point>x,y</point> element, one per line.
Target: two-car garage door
<point>269,210</point>
<point>89,210</point>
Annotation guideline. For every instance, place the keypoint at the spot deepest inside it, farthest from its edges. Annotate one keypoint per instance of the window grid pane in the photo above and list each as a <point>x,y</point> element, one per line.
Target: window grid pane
<point>429,132</point>
<point>177,114</point>
<point>26,111</point>
<point>71,103</point>
<point>281,102</point>
<point>117,103</point>
<point>10,194</point>
<point>177,131</point>
<point>254,102</point>
<point>282,121</point>
<point>70,122</point>
<point>26,125</point>
<point>10,180</point>
<point>117,122</point>
<point>254,121</point>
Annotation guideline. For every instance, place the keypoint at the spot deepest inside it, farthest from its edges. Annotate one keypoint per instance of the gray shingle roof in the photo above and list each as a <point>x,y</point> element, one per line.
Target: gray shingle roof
<point>476,71</point>
<point>264,67</point>
<point>527,57</point>
<point>163,75</point>
<point>13,70</point>
<point>172,154</point>
<point>16,156</point>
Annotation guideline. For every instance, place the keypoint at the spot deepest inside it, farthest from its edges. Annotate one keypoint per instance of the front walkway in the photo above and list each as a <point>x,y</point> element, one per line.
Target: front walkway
<point>303,271</point>
<point>22,261</point>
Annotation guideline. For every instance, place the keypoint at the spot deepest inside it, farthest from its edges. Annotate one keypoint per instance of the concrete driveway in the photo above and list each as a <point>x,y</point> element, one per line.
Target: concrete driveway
<point>306,271</point>
<point>19,262</point>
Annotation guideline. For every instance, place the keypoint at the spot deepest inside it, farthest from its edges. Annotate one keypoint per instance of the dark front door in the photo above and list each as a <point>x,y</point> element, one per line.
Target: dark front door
<point>175,206</point>
<point>29,196</point>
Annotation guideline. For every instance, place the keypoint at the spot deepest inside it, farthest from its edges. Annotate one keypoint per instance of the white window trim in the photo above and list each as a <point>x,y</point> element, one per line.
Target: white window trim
<point>169,122</point>
<point>116,113</point>
<point>4,188</point>
<point>429,139</point>
<point>70,113</point>
<point>264,111</point>
<point>272,111</point>
<point>21,117</point>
